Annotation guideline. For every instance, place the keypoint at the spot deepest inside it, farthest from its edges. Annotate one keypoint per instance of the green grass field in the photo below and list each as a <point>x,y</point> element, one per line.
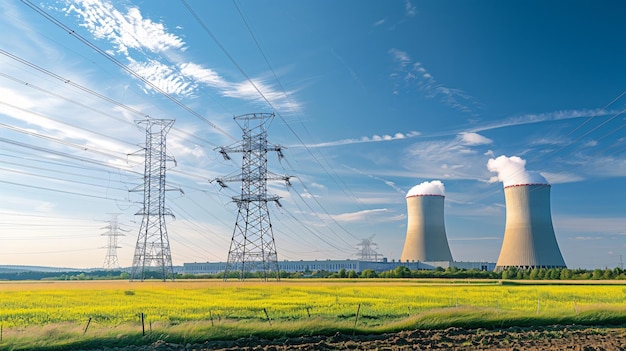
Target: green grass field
<point>91,313</point>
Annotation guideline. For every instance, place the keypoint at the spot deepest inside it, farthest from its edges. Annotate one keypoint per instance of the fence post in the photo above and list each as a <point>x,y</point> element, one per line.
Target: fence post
<point>267,316</point>
<point>86,327</point>
<point>356,319</point>
<point>211,317</point>
<point>308,312</point>
<point>143,326</point>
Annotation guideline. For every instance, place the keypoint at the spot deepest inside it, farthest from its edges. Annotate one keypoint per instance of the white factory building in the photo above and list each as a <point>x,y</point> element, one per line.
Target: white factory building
<point>337,265</point>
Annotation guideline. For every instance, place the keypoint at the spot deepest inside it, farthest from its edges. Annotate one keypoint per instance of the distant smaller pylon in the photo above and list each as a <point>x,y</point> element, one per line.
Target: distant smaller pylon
<point>114,231</point>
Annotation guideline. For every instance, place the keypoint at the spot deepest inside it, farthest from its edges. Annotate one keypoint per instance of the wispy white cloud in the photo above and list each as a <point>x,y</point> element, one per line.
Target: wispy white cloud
<point>124,30</point>
<point>380,22</point>
<point>202,74</point>
<point>585,238</point>
<point>562,177</point>
<point>409,8</point>
<point>470,138</point>
<point>542,117</point>
<point>591,143</point>
<point>414,74</point>
<point>588,225</point>
<point>595,165</point>
<point>373,139</point>
<point>374,215</point>
<point>318,186</point>
<point>164,77</point>
<point>385,181</point>
<point>156,54</point>
<point>458,158</point>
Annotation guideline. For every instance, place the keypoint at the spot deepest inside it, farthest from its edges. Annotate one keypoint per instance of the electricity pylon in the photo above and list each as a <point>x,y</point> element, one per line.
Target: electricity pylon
<point>114,231</point>
<point>252,248</point>
<point>367,250</point>
<point>153,246</point>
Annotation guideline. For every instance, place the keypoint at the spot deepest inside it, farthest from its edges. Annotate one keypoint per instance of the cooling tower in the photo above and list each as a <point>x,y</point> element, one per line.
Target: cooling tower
<point>426,233</point>
<point>529,240</point>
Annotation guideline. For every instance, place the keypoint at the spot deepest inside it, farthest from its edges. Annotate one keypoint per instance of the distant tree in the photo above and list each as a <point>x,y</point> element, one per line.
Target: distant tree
<point>369,273</point>
<point>566,274</point>
<point>342,273</point>
<point>402,272</point>
<point>597,274</point>
<point>352,274</point>
<point>452,270</point>
<point>554,273</point>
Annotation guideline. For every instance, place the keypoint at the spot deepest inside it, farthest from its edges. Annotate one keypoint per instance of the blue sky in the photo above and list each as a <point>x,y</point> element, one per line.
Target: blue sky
<point>371,98</point>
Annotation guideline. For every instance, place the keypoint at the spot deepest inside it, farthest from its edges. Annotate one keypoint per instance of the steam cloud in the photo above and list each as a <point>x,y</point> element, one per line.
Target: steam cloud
<point>434,187</point>
<point>512,171</point>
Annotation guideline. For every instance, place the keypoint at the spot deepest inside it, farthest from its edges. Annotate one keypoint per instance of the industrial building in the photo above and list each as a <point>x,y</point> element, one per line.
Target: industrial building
<point>337,265</point>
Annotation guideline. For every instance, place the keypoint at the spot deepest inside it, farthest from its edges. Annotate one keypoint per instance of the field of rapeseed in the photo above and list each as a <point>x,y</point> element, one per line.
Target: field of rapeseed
<point>111,303</point>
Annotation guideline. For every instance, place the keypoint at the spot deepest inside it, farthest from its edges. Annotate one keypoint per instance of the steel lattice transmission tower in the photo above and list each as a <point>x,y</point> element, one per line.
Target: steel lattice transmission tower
<point>114,231</point>
<point>153,246</point>
<point>367,250</point>
<point>252,248</point>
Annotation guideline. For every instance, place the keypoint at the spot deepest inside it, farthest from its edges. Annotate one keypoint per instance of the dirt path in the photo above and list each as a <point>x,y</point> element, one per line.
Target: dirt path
<point>518,339</point>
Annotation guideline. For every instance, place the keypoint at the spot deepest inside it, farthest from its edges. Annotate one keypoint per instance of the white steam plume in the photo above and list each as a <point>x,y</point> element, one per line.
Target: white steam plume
<point>428,188</point>
<point>512,171</point>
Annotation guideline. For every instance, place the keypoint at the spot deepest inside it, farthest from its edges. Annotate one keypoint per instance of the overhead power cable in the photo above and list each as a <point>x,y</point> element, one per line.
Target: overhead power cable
<point>59,141</point>
<point>82,88</point>
<point>58,153</point>
<point>60,179</point>
<point>59,191</point>
<point>69,82</point>
<point>123,66</point>
<point>234,62</point>
<point>56,171</point>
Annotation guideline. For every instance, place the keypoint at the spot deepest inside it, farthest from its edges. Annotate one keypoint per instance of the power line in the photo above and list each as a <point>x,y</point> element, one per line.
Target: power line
<point>60,179</point>
<point>234,62</point>
<point>63,154</point>
<point>58,191</point>
<point>59,141</point>
<point>106,99</point>
<point>124,67</point>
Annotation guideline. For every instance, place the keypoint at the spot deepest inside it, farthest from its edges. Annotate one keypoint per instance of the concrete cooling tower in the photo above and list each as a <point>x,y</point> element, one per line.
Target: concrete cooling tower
<point>529,240</point>
<point>426,239</point>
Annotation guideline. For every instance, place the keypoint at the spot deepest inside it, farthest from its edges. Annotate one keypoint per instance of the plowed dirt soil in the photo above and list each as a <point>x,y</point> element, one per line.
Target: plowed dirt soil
<point>543,338</point>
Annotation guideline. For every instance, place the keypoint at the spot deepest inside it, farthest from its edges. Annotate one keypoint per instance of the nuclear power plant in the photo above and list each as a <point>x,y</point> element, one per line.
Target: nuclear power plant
<point>529,239</point>
<point>426,239</point>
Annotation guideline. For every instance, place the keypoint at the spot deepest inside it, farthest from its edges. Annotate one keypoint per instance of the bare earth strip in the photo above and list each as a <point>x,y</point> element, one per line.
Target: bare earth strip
<point>518,339</point>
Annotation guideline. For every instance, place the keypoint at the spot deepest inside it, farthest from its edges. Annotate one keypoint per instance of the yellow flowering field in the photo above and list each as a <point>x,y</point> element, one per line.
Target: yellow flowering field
<point>111,303</point>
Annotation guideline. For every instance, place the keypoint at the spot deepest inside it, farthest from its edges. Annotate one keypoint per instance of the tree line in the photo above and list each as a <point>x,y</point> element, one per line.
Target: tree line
<point>511,273</point>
